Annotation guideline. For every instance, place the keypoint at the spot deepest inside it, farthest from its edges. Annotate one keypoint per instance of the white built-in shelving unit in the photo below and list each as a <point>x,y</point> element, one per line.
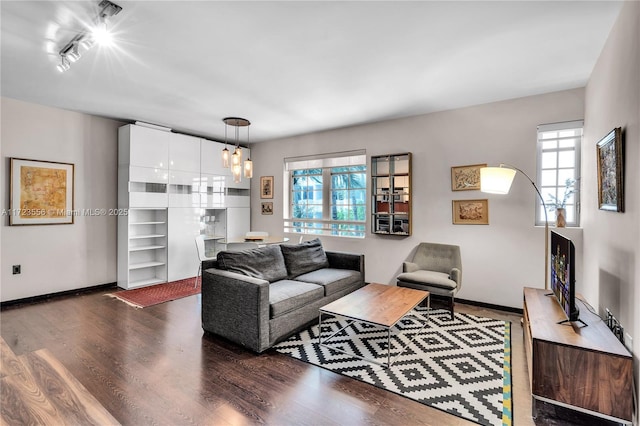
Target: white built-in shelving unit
<point>172,186</point>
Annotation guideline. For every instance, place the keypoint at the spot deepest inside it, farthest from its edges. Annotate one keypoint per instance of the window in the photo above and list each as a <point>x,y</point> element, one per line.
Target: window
<point>559,170</point>
<point>327,194</point>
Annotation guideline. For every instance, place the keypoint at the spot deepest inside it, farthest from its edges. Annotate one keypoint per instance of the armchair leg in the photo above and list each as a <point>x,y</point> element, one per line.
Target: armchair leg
<point>451,307</point>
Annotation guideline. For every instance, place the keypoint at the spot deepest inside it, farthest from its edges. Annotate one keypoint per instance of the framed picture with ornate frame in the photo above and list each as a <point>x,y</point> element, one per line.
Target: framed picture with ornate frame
<point>266,186</point>
<point>41,192</point>
<point>611,171</point>
<point>466,178</point>
<point>470,212</point>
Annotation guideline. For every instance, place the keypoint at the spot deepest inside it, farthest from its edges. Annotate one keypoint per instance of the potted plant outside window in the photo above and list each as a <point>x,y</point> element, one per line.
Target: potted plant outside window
<point>559,204</point>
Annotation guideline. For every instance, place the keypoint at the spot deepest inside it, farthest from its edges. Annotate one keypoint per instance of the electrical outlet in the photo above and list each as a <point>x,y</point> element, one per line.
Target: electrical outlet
<point>16,269</point>
<point>628,342</point>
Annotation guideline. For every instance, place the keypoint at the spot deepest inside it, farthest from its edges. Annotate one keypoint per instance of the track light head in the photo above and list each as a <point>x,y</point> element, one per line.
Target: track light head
<point>108,9</point>
<point>73,54</point>
<point>64,64</point>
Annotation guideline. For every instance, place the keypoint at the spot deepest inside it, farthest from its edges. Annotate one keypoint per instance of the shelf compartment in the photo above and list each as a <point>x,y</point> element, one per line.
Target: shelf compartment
<point>139,237</point>
<point>141,248</point>
<point>147,282</point>
<point>145,265</point>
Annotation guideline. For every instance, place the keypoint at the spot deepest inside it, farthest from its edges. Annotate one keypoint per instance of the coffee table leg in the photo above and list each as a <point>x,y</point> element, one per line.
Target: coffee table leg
<point>389,347</point>
<point>320,328</point>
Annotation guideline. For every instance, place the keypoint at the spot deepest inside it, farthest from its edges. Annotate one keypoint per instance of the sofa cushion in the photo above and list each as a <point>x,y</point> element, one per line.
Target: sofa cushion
<point>430,278</point>
<point>304,257</point>
<point>286,296</point>
<point>333,280</point>
<point>266,263</point>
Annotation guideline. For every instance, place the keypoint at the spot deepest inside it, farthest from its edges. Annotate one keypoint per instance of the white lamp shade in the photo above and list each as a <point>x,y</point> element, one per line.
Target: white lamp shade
<point>496,180</point>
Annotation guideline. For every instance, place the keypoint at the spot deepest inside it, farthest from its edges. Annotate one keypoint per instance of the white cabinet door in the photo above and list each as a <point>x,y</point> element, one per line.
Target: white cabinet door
<point>184,226</point>
<point>147,187</point>
<point>243,184</point>
<point>212,191</point>
<point>238,222</point>
<point>211,158</point>
<point>148,147</point>
<point>184,153</point>
<point>184,189</point>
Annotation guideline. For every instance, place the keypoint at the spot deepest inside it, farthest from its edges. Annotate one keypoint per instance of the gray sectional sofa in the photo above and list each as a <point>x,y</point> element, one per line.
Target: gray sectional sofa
<point>260,296</point>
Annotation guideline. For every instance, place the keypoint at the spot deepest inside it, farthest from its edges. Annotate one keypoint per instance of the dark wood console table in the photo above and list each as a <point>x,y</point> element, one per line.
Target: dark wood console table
<point>585,368</point>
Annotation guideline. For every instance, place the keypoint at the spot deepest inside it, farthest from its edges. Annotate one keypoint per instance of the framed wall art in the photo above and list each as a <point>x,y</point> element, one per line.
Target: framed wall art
<point>41,192</point>
<point>267,207</point>
<point>471,212</point>
<point>266,186</point>
<point>466,178</point>
<point>610,172</point>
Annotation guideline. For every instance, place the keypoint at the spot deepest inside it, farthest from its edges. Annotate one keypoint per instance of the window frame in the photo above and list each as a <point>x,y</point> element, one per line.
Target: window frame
<point>558,127</point>
<point>326,226</point>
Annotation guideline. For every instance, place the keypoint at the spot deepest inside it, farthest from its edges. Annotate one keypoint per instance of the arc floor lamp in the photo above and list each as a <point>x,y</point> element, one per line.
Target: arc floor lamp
<point>498,180</point>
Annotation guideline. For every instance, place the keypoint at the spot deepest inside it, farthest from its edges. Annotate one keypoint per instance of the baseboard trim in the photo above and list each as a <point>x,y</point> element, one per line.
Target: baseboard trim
<point>46,297</point>
<point>49,296</point>
<point>490,306</point>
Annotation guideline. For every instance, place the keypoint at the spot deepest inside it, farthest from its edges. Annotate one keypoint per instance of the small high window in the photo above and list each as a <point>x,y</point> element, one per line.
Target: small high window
<point>559,170</point>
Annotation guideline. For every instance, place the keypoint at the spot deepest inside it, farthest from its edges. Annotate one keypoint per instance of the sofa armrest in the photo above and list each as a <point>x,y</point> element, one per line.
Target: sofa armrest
<point>456,275</point>
<point>207,264</point>
<point>409,267</point>
<point>344,260</point>
<point>236,307</point>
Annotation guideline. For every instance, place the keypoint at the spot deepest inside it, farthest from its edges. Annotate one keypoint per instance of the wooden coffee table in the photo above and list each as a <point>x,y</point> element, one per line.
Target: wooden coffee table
<point>377,304</point>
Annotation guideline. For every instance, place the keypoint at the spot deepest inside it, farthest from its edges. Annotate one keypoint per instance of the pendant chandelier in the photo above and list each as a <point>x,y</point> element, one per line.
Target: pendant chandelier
<point>235,160</point>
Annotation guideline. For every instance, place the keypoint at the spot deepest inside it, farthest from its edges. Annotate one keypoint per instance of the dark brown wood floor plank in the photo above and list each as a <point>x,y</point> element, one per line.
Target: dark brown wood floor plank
<point>70,398</point>
<point>166,401</point>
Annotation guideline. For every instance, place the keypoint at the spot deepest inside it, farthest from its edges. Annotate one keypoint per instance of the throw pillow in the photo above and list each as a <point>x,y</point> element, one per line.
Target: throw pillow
<point>266,263</point>
<point>304,257</point>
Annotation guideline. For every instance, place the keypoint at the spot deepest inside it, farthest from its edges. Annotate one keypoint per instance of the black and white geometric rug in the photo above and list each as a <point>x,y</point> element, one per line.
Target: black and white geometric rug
<point>461,366</point>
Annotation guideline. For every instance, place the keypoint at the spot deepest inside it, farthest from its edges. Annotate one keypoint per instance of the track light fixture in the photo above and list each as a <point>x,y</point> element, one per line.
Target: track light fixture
<point>71,52</point>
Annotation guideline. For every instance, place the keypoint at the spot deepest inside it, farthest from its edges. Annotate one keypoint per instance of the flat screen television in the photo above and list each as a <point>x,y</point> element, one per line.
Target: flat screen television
<point>563,274</point>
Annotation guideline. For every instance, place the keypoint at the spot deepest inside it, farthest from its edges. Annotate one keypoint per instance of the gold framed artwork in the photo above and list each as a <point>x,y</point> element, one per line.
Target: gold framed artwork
<point>470,212</point>
<point>267,207</point>
<point>610,172</point>
<point>41,192</point>
<point>466,178</point>
<point>266,186</point>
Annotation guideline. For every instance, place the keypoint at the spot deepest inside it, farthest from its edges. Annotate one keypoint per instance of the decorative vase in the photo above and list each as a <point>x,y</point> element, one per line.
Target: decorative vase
<point>560,218</point>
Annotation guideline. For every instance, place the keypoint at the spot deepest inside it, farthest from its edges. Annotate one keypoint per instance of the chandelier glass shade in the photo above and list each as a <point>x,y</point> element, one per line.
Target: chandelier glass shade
<point>235,160</point>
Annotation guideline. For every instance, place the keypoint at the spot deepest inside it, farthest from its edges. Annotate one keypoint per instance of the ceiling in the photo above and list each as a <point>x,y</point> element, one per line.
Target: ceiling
<point>298,67</point>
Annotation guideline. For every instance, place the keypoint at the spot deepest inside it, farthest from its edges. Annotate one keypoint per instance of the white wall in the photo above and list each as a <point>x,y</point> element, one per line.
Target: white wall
<point>57,258</point>
<point>612,240</point>
<point>498,259</point>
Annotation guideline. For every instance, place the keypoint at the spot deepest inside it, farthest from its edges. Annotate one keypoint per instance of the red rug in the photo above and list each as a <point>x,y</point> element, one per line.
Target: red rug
<point>155,294</point>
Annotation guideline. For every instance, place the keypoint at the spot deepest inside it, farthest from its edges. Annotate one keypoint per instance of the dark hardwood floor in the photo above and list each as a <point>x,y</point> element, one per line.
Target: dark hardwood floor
<point>155,366</point>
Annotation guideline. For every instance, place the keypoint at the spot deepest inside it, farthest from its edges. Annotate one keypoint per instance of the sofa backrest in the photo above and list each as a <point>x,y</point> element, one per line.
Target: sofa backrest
<point>305,257</point>
<point>266,263</point>
<point>275,262</point>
